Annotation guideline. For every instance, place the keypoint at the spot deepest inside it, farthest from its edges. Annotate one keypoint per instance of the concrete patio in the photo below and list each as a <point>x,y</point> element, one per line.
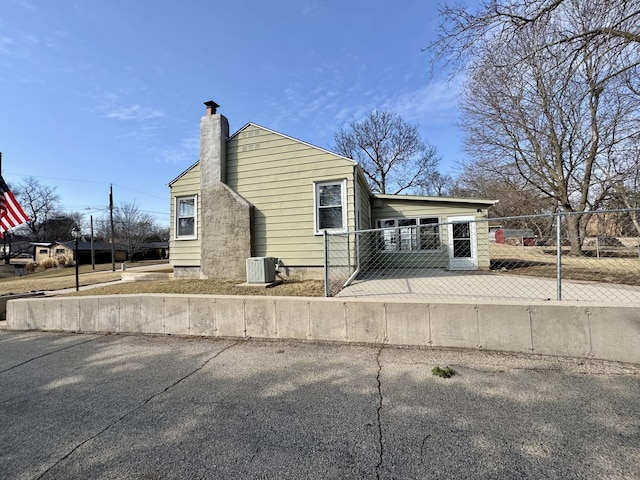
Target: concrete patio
<point>440,284</point>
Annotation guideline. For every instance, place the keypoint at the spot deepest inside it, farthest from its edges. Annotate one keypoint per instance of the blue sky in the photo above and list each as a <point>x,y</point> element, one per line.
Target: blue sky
<point>96,92</point>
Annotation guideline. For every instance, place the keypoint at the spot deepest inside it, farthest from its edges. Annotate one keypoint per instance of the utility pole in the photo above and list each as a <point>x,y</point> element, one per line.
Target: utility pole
<point>93,252</point>
<point>113,248</point>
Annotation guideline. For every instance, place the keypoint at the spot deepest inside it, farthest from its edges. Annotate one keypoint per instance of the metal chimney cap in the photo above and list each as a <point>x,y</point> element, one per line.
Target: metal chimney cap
<point>211,107</point>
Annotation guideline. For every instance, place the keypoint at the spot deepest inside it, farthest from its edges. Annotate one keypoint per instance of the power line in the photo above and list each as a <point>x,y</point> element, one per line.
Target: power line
<point>143,193</point>
<point>87,181</point>
<point>56,178</point>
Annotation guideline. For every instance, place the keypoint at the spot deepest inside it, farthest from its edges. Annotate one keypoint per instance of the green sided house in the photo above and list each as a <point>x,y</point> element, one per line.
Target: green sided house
<point>260,193</point>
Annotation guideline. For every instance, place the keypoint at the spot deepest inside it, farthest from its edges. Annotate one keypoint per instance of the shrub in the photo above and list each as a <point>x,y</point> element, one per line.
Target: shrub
<point>63,260</point>
<point>31,267</point>
<point>49,263</point>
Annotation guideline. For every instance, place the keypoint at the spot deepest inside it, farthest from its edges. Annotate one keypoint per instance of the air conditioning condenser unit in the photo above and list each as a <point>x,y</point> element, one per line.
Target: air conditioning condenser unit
<point>261,270</point>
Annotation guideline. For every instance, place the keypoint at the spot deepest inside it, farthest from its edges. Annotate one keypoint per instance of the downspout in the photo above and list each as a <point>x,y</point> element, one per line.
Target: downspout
<point>356,224</point>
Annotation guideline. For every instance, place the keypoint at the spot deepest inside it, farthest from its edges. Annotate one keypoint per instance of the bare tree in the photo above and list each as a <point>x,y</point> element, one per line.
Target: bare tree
<point>391,153</point>
<point>132,227</point>
<point>40,203</point>
<point>627,195</point>
<point>516,197</point>
<point>59,227</point>
<point>614,23</point>
<point>560,118</point>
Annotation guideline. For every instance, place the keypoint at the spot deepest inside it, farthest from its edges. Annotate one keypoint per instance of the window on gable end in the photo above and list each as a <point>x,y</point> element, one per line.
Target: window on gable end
<point>186,218</point>
<point>330,206</point>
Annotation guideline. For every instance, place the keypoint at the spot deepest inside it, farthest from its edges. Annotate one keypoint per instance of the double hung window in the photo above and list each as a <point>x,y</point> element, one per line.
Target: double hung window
<point>186,221</point>
<point>330,206</point>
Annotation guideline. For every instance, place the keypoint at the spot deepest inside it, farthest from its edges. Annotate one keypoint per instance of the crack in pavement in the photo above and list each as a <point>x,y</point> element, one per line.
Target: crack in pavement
<point>380,440</point>
<point>424,441</point>
<point>49,353</point>
<point>145,402</point>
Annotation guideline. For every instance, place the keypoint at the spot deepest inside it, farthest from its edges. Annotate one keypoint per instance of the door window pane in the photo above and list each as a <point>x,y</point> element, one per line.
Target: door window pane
<point>461,230</point>
<point>461,240</point>
<point>462,248</point>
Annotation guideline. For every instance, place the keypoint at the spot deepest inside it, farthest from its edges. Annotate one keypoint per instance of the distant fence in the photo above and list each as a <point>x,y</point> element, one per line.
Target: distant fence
<point>588,257</point>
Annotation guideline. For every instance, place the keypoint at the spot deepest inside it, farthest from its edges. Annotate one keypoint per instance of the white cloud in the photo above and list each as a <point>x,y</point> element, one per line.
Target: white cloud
<point>6,46</point>
<point>435,102</point>
<point>134,112</point>
<point>185,153</point>
<point>23,45</point>
<point>310,9</point>
<point>26,4</point>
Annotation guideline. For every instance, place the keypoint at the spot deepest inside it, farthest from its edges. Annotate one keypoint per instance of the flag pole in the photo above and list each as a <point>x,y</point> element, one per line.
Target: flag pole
<point>5,257</point>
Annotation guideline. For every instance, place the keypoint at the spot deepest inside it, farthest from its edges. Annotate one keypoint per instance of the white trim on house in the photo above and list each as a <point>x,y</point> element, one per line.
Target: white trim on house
<point>457,261</point>
<point>480,201</point>
<point>316,206</point>
<point>177,217</point>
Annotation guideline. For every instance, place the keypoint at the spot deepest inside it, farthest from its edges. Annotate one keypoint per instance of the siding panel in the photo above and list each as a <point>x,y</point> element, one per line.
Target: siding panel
<point>185,253</point>
<point>277,177</point>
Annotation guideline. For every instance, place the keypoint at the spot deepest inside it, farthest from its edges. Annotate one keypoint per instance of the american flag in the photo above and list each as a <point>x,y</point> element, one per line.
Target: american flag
<point>11,213</point>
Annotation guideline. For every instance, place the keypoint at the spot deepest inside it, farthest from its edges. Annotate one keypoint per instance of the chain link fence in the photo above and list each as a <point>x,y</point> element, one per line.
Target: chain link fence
<point>585,257</point>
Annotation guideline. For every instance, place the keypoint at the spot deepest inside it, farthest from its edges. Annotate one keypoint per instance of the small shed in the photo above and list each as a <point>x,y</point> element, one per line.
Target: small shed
<point>525,236</point>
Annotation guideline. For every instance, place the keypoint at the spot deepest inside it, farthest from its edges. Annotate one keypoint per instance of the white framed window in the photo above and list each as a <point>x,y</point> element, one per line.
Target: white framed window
<point>410,234</point>
<point>186,209</point>
<point>330,206</point>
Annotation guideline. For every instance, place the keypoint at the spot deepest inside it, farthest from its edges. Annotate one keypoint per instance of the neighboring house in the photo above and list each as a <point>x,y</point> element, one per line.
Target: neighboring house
<point>260,193</point>
<point>523,236</point>
<point>152,251</point>
<point>102,251</point>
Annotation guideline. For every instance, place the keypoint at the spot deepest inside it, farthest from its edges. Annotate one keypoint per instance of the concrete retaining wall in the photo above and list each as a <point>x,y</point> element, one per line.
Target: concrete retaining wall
<point>5,298</point>
<point>567,329</point>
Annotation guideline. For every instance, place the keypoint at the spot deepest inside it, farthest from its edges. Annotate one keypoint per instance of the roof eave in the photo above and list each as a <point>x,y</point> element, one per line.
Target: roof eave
<point>477,201</point>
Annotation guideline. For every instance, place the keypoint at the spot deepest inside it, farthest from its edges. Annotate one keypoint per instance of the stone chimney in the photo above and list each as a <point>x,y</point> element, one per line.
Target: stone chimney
<point>214,131</point>
<point>226,217</point>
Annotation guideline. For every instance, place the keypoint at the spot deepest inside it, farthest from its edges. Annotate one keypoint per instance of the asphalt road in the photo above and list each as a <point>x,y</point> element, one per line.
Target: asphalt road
<point>142,407</point>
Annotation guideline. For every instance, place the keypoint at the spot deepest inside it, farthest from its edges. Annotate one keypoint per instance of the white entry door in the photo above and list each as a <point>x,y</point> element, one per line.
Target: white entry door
<point>462,242</point>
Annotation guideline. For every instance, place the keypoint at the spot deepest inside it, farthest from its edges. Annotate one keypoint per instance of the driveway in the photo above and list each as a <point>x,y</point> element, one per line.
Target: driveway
<point>442,284</point>
<point>145,407</point>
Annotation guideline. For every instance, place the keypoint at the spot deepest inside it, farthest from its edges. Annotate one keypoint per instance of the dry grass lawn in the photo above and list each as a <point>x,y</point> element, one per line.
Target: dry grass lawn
<point>614,266</point>
<point>64,278</point>
<point>306,288</point>
<point>617,266</point>
<point>45,281</point>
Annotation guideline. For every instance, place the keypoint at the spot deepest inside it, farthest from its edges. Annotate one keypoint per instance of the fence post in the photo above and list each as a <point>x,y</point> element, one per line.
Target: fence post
<point>327,292</point>
<point>348,253</point>
<point>558,258</point>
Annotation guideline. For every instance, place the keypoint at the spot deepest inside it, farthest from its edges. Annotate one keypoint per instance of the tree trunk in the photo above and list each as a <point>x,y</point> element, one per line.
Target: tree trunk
<point>573,227</point>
